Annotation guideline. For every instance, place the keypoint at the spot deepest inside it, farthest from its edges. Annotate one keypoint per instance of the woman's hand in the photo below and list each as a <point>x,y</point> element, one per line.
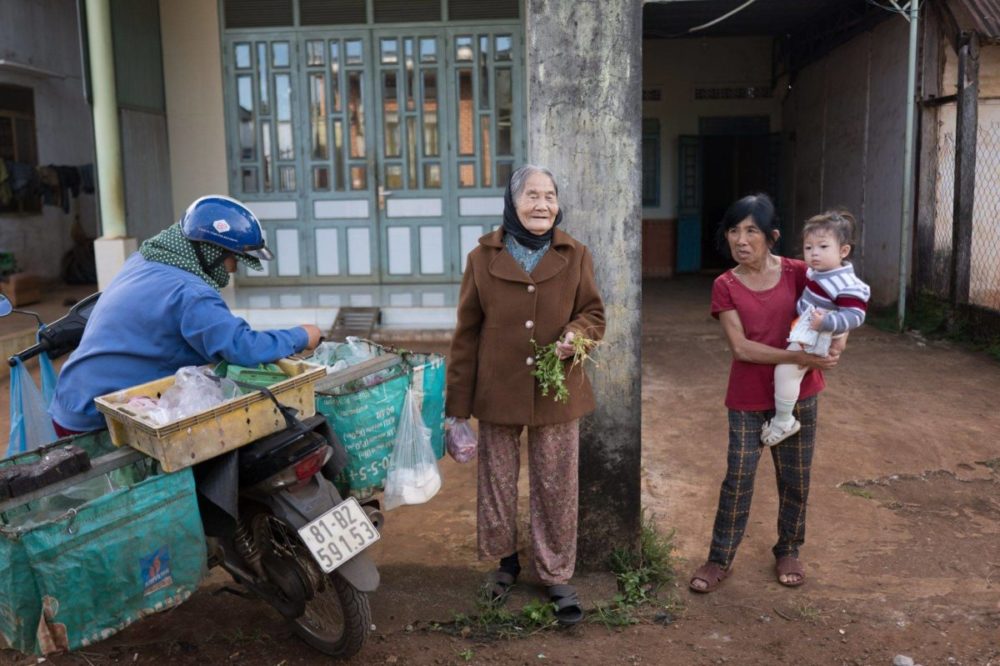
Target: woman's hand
<point>564,348</point>
<point>315,335</point>
<point>817,362</point>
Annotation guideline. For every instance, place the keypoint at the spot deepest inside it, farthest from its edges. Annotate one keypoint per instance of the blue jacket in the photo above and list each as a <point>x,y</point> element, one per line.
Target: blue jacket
<point>151,320</point>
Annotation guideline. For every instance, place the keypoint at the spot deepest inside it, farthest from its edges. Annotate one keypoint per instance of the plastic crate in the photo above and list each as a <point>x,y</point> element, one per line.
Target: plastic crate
<point>213,432</point>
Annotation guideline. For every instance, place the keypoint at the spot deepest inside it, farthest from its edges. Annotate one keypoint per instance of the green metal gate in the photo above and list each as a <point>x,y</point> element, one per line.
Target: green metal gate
<point>376,154</point>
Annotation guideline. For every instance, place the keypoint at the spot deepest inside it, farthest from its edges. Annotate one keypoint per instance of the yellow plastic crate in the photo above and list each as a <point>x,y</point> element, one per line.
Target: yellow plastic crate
<point>213,432</point>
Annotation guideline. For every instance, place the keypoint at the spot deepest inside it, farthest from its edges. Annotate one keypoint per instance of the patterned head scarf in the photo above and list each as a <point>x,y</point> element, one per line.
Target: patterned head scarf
<point>170,247</point>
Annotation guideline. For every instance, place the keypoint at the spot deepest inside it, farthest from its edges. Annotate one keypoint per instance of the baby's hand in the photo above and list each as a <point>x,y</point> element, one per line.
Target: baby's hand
<point>816,321</point>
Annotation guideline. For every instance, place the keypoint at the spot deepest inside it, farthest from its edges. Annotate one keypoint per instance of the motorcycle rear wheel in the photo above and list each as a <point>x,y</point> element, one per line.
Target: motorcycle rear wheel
<point>337,620</point>
<point>337,617</point>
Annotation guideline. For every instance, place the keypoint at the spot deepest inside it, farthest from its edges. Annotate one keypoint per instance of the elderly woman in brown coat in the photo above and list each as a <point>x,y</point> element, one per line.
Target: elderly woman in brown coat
<point>525,282</point>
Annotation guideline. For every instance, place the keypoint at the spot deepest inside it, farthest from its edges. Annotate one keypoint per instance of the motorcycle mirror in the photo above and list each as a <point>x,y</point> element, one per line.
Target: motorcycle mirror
<point>5,307</point>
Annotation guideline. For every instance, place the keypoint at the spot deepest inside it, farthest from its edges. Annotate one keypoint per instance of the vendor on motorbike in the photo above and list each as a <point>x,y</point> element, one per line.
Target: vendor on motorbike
<point>163,311</point>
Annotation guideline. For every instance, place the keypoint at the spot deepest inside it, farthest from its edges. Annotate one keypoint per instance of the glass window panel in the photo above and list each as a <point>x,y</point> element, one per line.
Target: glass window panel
<point>430,92</point>
<point>249,178</point>
<point>504,109</point>
<point>504,169</point>
<point>315,54</point>
<point>338,154</point>
<point>467,175</point>
<point>317,116</point>
<point>390,51</point>
<point>356,114</point>
<point>428,49</point>
<point>503,46</point>
<point>394,176</point>
<point>262,78</point>
<point>283,95</point>
<point>390,114</point>
<point>334,56</point>
<point>321,178</point>
<point>285,149</point>
<point>484,72</point>
<point>463,48</point>
<point>486,164</point>
<point>286,178</point>
<point>354,52</point>
<point>410,72</point>
<point>411,151</point>
<point>466,131</point>
<point>279,54</point>
<point>244,93</point>
<point>359,178</point>
<point>242,55</point>
<point>432,176</point>
<point>265,149</point>
<point>335,90</point>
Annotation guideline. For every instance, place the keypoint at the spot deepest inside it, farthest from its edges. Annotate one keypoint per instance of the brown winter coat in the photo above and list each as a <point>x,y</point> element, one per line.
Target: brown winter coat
<point>500,309</point>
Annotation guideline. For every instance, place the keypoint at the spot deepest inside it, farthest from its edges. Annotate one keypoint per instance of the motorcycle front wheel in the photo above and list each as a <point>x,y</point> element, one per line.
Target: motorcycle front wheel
<point>337,617</point>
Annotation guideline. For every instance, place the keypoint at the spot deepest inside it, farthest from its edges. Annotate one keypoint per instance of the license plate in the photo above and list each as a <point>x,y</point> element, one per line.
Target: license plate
<point>339,534</point>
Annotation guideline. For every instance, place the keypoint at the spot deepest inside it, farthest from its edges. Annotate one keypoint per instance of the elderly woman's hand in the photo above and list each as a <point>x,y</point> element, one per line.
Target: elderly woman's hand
<point>564,348</point>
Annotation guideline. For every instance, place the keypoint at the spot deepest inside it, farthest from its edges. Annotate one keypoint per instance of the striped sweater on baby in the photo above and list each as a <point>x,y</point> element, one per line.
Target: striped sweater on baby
<point>841,293</point>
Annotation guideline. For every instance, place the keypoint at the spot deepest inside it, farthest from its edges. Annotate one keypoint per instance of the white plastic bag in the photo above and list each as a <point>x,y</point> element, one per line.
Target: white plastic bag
<point>812,341</point>
<point>412,476</point>
<point>461,440</point>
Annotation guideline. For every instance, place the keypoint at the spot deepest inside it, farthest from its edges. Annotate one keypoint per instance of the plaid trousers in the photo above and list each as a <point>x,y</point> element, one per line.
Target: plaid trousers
<point>792,460</point>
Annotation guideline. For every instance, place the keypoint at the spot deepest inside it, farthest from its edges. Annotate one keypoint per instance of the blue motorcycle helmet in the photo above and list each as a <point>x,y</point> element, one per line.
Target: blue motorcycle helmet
<point>226,223</point>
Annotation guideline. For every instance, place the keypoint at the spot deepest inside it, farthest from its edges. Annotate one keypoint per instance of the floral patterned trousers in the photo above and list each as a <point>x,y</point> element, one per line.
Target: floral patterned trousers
<point>553,452</point>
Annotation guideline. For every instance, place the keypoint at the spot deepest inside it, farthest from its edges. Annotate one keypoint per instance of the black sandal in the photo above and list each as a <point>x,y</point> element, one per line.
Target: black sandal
<point>500,583</point>
<point>568,608</point>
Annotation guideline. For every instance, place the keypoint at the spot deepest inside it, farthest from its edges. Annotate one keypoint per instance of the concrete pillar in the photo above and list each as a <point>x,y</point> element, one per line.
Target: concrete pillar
<point>112,247</point>
<point>584,122</point>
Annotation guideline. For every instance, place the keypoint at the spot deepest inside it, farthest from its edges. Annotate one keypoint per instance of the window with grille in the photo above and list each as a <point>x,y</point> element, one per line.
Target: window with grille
<point>17,141</point>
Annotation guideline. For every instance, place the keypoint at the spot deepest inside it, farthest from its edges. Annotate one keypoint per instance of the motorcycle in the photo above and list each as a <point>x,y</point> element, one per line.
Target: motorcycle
<point>272,516</point>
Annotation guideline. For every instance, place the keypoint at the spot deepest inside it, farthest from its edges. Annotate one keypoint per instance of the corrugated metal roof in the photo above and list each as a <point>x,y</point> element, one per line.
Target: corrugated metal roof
<point>981,16</point>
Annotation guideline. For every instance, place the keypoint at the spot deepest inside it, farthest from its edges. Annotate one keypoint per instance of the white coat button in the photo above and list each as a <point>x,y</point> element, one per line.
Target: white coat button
<point>530,360</point>
<point>531,288</point>
<point>529,324</point>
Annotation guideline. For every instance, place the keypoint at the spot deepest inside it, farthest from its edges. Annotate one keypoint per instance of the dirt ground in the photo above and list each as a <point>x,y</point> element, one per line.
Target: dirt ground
<point>902,557</point>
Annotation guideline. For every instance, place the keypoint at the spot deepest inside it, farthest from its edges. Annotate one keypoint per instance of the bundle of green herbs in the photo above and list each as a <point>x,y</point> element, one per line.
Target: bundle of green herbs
<point>550,370</point>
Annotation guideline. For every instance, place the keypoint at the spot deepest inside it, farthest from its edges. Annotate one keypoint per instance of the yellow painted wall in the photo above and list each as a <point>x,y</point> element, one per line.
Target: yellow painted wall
<point>192,68</point>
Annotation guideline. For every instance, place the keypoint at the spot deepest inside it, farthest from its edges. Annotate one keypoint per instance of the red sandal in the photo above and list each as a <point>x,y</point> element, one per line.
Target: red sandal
<point>710,573</point>
<point>789,565</point>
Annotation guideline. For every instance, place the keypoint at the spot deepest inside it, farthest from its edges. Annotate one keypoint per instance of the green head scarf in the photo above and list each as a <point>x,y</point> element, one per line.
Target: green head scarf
<point>171,248</point>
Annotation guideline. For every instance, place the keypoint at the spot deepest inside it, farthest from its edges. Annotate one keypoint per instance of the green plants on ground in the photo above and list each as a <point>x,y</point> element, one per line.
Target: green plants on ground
<point>642,574</point>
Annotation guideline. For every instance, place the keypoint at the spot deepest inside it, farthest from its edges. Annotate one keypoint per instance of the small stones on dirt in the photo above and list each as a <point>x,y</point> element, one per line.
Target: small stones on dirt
<point>902,660</point>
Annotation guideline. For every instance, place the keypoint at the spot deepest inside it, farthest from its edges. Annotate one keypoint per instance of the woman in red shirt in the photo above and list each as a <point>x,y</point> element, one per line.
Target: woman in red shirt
<point>755,302</point>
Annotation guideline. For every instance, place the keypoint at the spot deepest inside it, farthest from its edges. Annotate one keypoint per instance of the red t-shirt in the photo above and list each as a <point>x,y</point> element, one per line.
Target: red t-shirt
<point>767,318</point>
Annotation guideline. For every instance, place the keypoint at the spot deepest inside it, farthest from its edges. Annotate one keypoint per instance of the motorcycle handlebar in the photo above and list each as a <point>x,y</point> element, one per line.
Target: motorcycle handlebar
<point>31,352</point>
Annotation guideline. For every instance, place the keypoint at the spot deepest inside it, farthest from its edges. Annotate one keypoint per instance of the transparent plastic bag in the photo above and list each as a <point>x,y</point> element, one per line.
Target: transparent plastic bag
<point>338,355</point>
<point>461,440</point>
<point>412,476</point>
<point>193,391</point>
